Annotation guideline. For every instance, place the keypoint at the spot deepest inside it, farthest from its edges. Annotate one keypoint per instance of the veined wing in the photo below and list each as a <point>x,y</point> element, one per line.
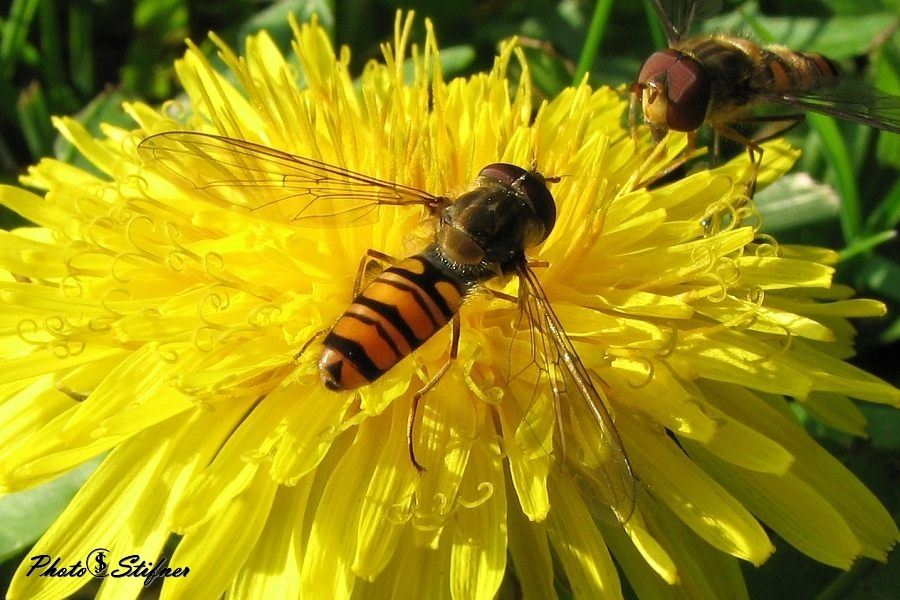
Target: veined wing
<point>275,185</point>
<point>677,16</point>
<point>589,441</point>
<point>852,101</point>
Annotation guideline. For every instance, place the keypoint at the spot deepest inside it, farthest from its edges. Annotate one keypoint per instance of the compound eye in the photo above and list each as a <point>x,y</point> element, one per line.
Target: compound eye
<point>659,62</point>
<point>533,186</point>
<point>503,173</point>
<point>685,86</point>
<point>688,90</point>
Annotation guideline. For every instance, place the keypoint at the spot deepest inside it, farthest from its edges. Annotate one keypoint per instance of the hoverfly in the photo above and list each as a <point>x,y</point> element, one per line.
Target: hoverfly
<point>479,236</point>
<point>718,78</point>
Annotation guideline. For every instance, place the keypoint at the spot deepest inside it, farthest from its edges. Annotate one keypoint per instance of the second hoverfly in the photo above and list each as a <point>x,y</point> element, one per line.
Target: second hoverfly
<point>717,79</point>
<point>479,236</point>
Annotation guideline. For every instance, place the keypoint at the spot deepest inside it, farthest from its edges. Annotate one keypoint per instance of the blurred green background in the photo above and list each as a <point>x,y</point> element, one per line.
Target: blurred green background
<point>84,57</point>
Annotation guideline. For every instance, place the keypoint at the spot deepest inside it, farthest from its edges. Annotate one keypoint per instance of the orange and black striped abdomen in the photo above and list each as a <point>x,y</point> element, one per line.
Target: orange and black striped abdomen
<point>392,316</point>
<point>796,72</point>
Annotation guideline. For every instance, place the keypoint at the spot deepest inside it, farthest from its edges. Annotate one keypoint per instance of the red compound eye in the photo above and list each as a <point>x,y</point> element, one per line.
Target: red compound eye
<point>685,84</point>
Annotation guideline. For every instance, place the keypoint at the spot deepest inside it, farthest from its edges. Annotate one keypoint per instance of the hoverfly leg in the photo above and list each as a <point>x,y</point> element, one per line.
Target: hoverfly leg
<point>774,125</point>
<point>683,158</point>
<point>414,407</point>
<point>549,49</point>
<point>504,296</point>
<point>716,151</point>
<point>636,91</point>
<point>691,143</point>
<point>307,344</point>
<point>76,396</point>
<point>363,274</point>
<point>753,150</point>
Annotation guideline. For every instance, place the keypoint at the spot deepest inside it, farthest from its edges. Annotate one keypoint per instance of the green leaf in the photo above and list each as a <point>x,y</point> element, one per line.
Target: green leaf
<point>27,515</point>
<point>548,71</point>
<point>835,149</point>
<point>60,95</point>
<point>274,19</point>
<point>839,37</point>
<point>160,27</point>
<point>13,34</point>
<point>891,333</point>
<point>795,201</point>
<point>456,59</point>
<point>884,426</point>
<point>887,78</point>
<point>453,61</point>
<point>866,243</point>
<point>887,214</point>
<point>81,47</point>
<point>34,119</point>
<point>880,275</point>
<point>105,108</point>
<point>859,7</point>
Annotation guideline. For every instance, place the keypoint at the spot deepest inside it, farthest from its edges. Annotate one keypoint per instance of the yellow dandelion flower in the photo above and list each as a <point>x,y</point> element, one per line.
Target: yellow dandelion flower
<point>148,322</point>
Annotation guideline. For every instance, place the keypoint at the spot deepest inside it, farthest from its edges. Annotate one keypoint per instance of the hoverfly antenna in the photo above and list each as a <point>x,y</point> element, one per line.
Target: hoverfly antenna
<point>546,179</point>
<point>555,178</point>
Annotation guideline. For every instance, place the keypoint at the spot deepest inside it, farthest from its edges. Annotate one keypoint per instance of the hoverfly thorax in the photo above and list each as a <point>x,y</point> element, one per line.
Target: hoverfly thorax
<point>509,210</point>
<point>676,91</point>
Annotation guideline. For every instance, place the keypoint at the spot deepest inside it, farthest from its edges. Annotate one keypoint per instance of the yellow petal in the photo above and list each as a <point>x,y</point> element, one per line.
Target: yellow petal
<point>703,571</point>
<point>327,564</point>
<point>308,420</point>
<point>479,542</point>
<point>445,429</point>
<point>218,548</point>
<point>422,572</point>
<point>869,521</point>
<point>638,303</point>
<point>30,258</point>
<point>836,411</point>
<point>579,545</point>
<point>103,511</point>
<point>802,517</point>
<point>833,375</point>
<point>772,273</point>
<point>736,357</point>
<point>528,440</point>
<point>529,550</point>
<point>386,502</point>
<point>272,569</point>
<point>691,494</point>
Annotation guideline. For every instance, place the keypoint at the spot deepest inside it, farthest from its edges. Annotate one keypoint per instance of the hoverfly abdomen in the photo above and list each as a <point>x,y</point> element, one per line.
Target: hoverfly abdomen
<point>795,72</point>
<point>392,316</point>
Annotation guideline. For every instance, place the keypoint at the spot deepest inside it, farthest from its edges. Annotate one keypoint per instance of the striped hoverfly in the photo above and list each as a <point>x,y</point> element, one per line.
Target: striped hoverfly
<point>717,79</point>
<point>479,236</point>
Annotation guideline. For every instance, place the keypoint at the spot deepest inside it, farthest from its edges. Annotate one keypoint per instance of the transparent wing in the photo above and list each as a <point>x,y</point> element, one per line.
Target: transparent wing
<point>852,101</point>
<point>275,185</point>
<point>588,437</point>
<point>677,16</point>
